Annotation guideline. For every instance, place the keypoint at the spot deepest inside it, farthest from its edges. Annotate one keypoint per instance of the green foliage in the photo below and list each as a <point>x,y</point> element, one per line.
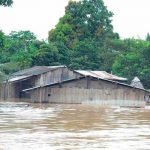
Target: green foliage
<point>148,37</point>
<point>85,40</point>
<point>17,48</point>
<point>8,68</point>
<point>82,33</point>
<point>82,39</point>
<point>2,39</point>
<point>86,55</point>
<point>46,55</point>
<point>83,19</point>
<point>24,59</point>
<point>22,39</point>
<point>134,61</point>
<point>6,2</point>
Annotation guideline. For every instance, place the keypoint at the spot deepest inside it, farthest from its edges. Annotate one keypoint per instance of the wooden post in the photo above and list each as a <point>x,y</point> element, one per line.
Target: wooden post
<point>87,82</point>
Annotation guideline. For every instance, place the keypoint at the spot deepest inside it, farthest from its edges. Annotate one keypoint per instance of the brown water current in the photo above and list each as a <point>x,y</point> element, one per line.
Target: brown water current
<point>25,126</point>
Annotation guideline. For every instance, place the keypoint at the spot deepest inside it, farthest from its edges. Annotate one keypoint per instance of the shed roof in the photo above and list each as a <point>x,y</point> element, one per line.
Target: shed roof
<point>36,70</point>
<point>100,74</point>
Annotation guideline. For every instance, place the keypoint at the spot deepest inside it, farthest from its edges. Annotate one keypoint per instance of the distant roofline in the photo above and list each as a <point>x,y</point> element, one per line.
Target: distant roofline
<point>74,79</point>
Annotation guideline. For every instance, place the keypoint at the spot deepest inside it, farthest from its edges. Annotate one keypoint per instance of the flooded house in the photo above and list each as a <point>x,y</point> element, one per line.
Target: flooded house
<point>58,84</point>
<point>32,77</point>
<point>91,87</point>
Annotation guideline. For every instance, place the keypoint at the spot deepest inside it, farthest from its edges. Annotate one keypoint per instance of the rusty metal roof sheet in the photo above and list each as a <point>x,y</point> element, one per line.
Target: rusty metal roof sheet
<point>100,74</point>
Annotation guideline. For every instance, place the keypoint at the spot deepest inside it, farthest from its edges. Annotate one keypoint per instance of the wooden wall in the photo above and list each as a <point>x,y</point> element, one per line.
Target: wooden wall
<point>84,90</point>
<point>2,91</point>
<point>14,89</point>
<point>56,75</point>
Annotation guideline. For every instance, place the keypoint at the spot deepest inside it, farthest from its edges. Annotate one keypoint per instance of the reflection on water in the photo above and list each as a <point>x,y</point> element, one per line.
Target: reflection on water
<point>26,126</point>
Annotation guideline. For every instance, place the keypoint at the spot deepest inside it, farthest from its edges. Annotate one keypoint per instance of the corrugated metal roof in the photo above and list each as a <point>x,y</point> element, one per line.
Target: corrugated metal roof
<point>36,70</point>
<point>100,74</point>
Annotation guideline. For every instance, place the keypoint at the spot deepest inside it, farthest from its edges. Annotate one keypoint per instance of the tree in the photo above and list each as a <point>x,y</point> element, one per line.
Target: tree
<point>83,19</point>
<point>86,55</point>
<point>18,48</point>
<point>4,57</point>
<point>24,38</point>
<point>6,2</point>
<point>46,55</point>
<point>2,39</point>
<point>134,61</point>
<point>148,37</point>
<point>84,22</point>
<point>8,68</point>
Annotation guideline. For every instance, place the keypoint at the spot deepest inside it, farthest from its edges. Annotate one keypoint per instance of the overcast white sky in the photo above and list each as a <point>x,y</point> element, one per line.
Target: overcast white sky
<point>131,17</point>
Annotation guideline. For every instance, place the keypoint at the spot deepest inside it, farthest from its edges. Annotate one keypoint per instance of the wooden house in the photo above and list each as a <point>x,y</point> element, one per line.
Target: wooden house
<point>58,84</point>
<point>89,90</point>
<point>35,76</point>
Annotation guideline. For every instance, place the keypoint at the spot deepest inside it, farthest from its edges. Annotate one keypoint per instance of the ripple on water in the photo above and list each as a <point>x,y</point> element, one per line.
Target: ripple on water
<point>73,127</point>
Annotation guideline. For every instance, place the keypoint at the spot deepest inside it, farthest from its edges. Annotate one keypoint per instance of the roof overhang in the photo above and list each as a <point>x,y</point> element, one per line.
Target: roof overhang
<point>19,78</point>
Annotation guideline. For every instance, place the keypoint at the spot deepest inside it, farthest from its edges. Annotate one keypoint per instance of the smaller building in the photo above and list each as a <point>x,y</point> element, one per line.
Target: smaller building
<point>137,83</point>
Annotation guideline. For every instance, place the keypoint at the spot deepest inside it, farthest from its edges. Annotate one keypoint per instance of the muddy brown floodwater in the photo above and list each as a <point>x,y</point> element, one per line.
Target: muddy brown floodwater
<point>25,126</point>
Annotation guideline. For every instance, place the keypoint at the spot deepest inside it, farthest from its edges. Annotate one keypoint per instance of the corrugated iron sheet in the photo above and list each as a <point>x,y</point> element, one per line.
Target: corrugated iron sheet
<point>100,74</point>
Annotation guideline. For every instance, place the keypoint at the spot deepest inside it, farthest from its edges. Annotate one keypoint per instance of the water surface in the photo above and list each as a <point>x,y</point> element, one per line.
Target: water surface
<point>25,126</point>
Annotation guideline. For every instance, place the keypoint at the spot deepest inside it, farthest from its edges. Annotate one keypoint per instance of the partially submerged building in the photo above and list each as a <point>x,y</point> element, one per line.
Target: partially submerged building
<point>89,90</point>
<point>32,77</point>
<point>58,84</point>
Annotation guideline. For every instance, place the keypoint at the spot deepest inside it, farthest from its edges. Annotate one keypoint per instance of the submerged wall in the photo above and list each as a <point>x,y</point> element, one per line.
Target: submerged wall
<point>89,91</point>
<point>13,90</point>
